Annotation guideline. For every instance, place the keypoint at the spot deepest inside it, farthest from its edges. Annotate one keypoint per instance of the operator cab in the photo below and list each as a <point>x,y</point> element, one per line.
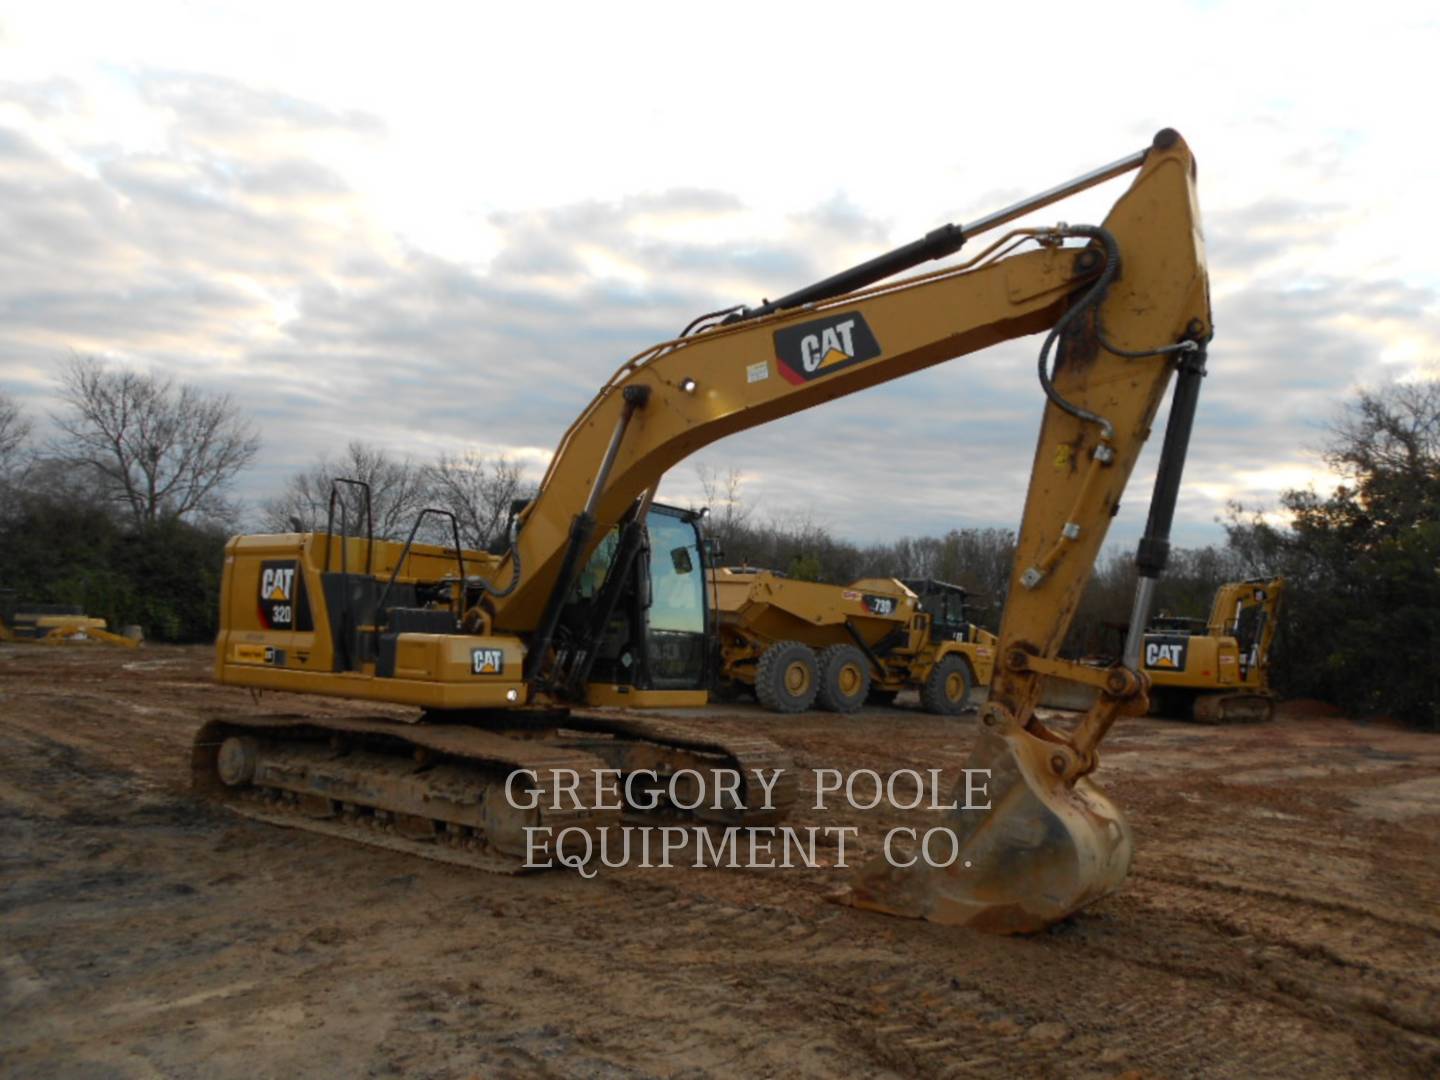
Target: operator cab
<point>655,636</point>
<point>945,604</point>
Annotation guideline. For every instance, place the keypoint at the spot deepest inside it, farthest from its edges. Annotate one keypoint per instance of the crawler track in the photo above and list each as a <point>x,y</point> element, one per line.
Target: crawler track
<point>438,790</point>
<point>1236,707</point>
<point>430,790</point>
<point>676,745</point>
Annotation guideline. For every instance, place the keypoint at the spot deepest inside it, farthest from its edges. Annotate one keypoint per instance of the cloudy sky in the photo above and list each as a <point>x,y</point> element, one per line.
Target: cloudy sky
<point>440,227</point>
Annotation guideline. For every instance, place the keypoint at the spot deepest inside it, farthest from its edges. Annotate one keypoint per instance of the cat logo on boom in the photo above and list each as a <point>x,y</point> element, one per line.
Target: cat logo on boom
<point>822,347</point>
<point>1166,653</point>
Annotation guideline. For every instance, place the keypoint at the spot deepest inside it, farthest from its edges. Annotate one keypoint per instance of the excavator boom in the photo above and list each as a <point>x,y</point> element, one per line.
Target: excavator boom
<point>696,390</point>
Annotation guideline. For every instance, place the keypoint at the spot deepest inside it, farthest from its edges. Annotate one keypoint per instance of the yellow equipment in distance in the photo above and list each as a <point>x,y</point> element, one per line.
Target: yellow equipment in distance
<point>496,650</point>
<point>1217,672</point>
<point>59,625</point>
<point>798,643</point>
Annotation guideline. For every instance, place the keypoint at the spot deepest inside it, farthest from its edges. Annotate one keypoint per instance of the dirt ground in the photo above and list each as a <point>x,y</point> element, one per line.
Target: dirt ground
<point>1282,919</point>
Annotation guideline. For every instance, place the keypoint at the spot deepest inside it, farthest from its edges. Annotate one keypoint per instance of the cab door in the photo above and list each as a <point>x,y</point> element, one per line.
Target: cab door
<point>677,617</point>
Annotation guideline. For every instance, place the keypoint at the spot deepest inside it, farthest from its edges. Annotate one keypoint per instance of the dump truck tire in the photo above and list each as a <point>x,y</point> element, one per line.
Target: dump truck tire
<point>947,690</point>
<point>844,679</point>
<point>787,678</point>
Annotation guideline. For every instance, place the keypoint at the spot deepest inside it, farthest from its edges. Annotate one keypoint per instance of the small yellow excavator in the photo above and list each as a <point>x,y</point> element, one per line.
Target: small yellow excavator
<point>1214,671</point>
<point>601,600</point>
<point>800,643</point>
<point>1217,671</point>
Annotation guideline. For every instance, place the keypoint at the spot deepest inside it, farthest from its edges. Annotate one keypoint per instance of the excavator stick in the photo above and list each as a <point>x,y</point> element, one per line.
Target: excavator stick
<point>1048,841</point>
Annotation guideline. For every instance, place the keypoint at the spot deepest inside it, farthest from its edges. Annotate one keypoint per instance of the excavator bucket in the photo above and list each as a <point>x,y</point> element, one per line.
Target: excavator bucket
<point>1049,843</point>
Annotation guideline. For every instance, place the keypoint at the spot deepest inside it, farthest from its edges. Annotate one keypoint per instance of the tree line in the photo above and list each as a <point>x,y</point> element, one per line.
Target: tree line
<point>127,509</point>
<point>978,560</point>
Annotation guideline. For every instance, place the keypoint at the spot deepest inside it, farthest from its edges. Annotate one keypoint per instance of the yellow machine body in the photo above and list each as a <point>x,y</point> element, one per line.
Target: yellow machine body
<point>603,589</point>
<point>56,629</point>
<point>1220,674</point>
<point>279,628</point>
<point>795,643</point>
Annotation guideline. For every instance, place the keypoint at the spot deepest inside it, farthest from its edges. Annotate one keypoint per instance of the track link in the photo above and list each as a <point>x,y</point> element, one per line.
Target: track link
<point>669,746</point>
<point>437,789</point>
<point>429,790</point>
<point>1237,707</point>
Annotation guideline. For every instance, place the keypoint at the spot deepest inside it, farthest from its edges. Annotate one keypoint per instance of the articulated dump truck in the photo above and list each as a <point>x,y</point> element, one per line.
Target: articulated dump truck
<point>796,644</point>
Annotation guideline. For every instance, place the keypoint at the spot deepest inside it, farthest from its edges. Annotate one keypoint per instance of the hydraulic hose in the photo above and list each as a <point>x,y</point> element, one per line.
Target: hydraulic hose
<point>699,319</point>
<point>500,594</point>
<point>1092,299</point>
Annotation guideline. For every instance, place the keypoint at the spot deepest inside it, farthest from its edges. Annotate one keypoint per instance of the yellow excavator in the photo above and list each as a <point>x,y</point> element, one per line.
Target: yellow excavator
<point>1217,671</point>
<point>1214,671</point>
<point>600,599</point>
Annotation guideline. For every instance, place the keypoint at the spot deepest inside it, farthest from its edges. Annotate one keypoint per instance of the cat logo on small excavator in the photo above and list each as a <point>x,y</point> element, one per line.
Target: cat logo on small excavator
<point>823,346</point>
<point>487,661</point>
<point>1166,653</point>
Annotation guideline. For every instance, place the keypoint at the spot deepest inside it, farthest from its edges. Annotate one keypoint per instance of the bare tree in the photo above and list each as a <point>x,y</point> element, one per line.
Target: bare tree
<point>478,491</point>
<point>15,430</point>
<point>398,492</point>
<point>159,450</point>
<point>728,513</point>
<point>1395,428</point>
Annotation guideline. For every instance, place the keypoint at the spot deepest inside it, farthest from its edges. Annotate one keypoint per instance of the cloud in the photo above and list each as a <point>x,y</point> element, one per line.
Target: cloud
<point>230,243</point>
<point>1275,227</point>
<point>212,110</point>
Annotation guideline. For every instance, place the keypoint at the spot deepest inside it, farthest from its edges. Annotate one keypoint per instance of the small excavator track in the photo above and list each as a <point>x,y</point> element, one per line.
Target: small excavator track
<point>1233,707</point>
<point>438,789</point>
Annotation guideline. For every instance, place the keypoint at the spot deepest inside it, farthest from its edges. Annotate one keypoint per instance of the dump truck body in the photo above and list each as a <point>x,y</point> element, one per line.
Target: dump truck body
<point>796,643</point>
